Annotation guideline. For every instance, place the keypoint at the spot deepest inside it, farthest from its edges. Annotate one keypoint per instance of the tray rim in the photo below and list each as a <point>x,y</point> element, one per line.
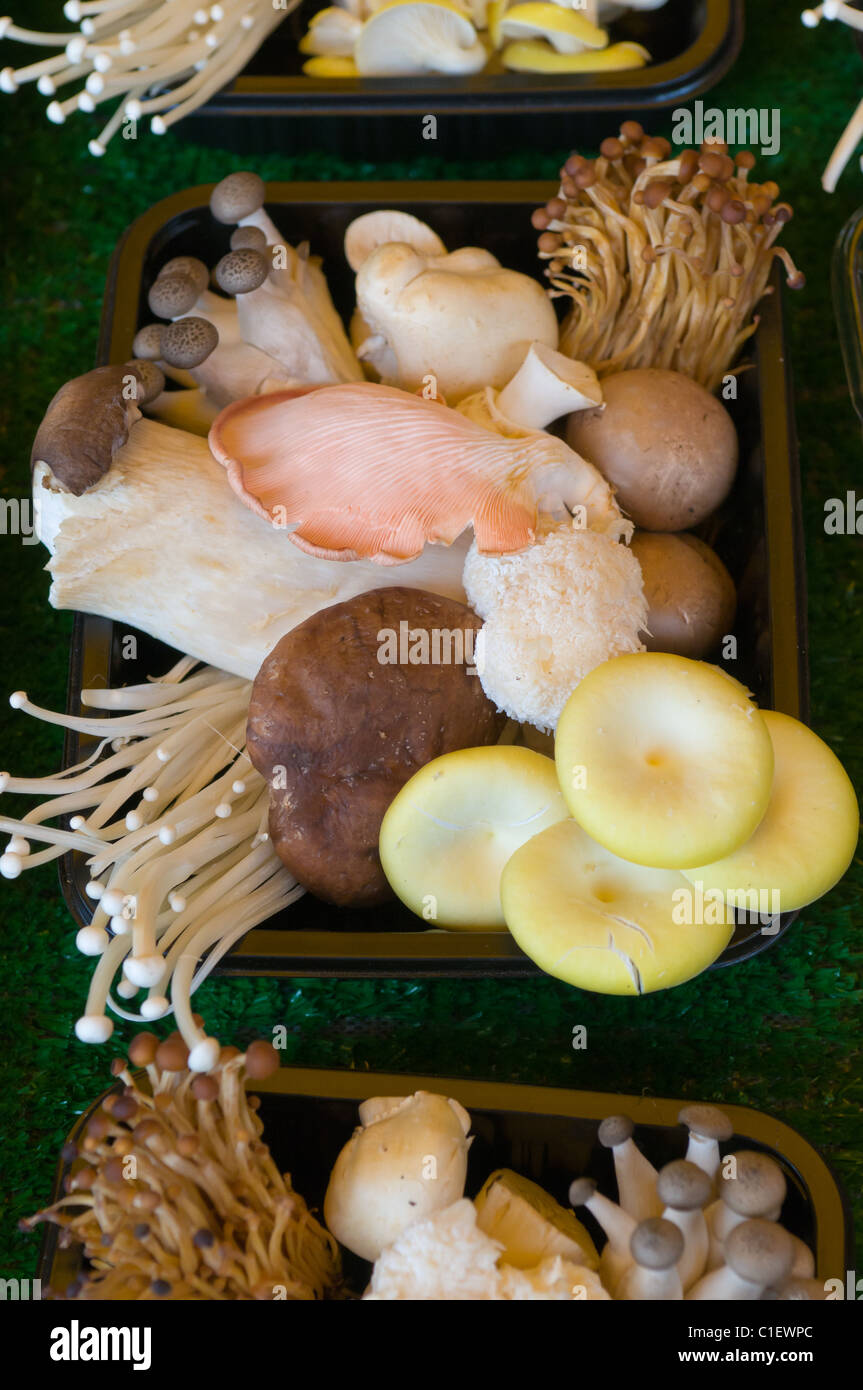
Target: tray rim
<point>697,68</point>
<point>515,1097</point>
<point>284,953</point>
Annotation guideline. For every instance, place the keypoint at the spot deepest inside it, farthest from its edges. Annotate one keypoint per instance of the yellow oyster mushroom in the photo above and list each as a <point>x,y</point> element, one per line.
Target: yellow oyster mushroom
<point>332,33</point>
<point>410,37</point>
<point>566,30</point>
<point>532,55</point>
<point>330,66</point>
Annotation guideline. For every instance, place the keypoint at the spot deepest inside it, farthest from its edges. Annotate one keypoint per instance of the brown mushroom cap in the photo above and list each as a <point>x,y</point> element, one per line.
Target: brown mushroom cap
<point>142,1049</point>
<point>188,342</point>
<point>190,266</point>
<point>151,378</point>
<point>147,343</point>
<point>656,1244</point>
<point>85,424</point>
<point>262,1060</point>
<point>581,1191</point>
<point>667,446</point>
<point>248,239</point>
<point>758,1187</point>
<point>242,271</point>
<point>614,1130</point>
<point>691,598</point>
<point>171,296</point>
<point>761,1252</point>
<point>683,1186</point>
<point>706,1122</point>
<point>237,196</point>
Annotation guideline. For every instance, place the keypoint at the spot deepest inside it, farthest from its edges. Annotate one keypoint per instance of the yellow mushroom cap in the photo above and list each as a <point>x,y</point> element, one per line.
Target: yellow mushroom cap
<point>567,31</point>
<point>533,55</point>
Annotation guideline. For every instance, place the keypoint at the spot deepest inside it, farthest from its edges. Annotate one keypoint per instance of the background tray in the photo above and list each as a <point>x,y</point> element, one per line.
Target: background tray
<point>273,106</point>
<point>546,1134</point>
<point>757,533</point>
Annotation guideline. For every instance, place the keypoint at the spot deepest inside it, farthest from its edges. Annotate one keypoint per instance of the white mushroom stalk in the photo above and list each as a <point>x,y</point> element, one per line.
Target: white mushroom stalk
<point>853,132</point>
<point>173,825</point>
<point>157,58</point>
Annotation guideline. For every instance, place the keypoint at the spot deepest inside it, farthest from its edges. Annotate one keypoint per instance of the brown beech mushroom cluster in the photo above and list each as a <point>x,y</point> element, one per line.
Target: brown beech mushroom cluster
<point>337,728</point>
<point>664,255</point>
<point>172,1192</point>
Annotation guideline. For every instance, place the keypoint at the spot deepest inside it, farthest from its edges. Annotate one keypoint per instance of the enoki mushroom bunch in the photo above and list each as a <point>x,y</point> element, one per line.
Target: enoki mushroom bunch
<point>160,59</point>
<point>173,1193</point>
<point>853,132</point>
<point>664,258</point>
<point>172,818</point>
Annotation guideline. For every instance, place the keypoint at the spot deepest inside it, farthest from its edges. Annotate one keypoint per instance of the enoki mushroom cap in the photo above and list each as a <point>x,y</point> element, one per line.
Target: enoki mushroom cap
<point>706,1122</point>
<point>241,271</point>
<point>656,1243</point>
<point>753,1184</point>
<point>683,1186</point>
<point>760,1252</point>
<point>173,295</point>
<point>237,196</point>
<point>188,342</point>
<point>614,1130</point>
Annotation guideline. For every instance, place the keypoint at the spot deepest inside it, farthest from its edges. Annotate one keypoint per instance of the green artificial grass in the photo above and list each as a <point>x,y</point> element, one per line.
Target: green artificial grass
<point>780,1032</point>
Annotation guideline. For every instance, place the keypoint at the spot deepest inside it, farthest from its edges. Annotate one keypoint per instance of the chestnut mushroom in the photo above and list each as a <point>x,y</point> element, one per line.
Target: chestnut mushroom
<point>690,595</point>
<point>337,728</point>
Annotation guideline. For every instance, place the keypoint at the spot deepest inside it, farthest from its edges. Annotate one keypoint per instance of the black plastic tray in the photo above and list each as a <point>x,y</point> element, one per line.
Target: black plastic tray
<point>544,1133</point>
<point>273,106</point>
<point>758,534</point>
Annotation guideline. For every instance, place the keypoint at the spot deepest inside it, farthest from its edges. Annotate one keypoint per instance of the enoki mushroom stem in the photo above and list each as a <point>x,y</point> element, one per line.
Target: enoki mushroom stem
<point>664,258</point>
<point>173,825</point>
<point>172,1193</point>
<point>178,52</point>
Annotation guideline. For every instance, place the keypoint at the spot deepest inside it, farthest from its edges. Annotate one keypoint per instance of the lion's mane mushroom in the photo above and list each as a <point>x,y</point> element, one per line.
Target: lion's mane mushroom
<point>142,528</point>
<point>407,1159</point>
<point>461,318</point>
<point>337,727</point>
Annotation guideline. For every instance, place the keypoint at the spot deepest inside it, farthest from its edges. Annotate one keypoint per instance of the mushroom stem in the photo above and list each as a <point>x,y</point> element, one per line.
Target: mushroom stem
<point>636,1175</point>
<point>845,147</point>
<point>656,1248</point>
<point>618,1225</point>
<point>546,386</point>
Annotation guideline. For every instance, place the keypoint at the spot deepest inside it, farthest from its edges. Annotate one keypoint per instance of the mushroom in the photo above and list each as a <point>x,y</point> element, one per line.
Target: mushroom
<point>187,342</point>
<point>461,318</point>
<point>242,271</point>
<point>237,196</point>
<point>691,598</point>
<point>142,529</point>
<point>248,237</point>
<point>399,1167</point>
<point>208,1214</point>
<point>708,1127</point>
<point>636,1175</point>
<point>373,229</point>
<point>853,132</point>
<point>656,1247</point>
<point>685,1190</point>
<point>332,33</point>
<point>418,36</point>
<point>529,1224</point>
<point>532,55</point>
<point>566,31</point>
<point>665,444</point>
<point>750,1184</point>
<point>618,228</point>
<point>546,386</point>
<point>161,58</point>
<point>289,454</point>
<point>616,1255</point>
<point>758,1255</point>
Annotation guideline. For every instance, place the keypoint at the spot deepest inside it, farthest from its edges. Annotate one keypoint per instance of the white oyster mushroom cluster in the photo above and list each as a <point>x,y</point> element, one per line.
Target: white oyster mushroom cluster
<point>450,323</point>
<point>401,38</point>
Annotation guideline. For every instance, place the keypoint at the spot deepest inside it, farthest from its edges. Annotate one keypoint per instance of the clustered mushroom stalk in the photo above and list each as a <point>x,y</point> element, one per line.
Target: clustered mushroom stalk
<point>172,818</point>
<point>173,1193</point>
<point>664,258</point>
<point>159,58</point>
<point>853,132</point>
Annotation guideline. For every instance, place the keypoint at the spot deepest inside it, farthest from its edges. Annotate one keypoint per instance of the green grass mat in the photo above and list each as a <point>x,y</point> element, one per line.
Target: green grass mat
<point>781,1032</point>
